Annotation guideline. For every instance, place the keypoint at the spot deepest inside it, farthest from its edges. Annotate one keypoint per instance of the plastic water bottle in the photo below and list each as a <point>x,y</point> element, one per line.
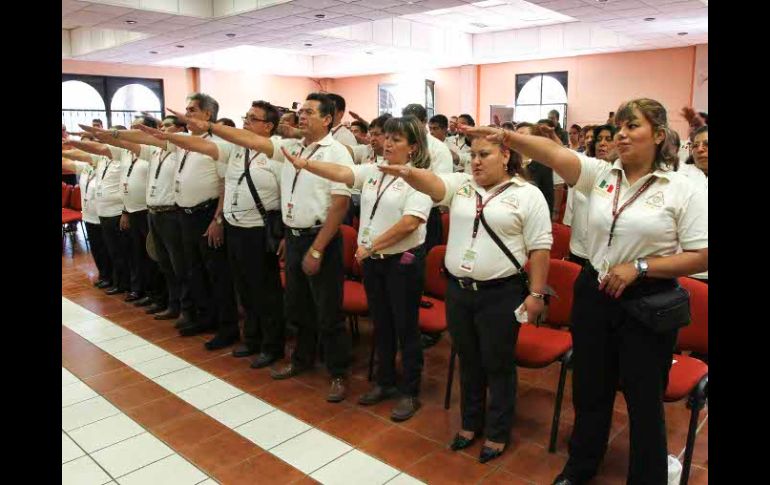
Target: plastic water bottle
<point>674,470</point>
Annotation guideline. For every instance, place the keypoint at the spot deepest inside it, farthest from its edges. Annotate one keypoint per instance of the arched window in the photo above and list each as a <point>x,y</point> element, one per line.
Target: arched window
<point>81,104</point>
<point>537,94</point>
<point>132,99</point>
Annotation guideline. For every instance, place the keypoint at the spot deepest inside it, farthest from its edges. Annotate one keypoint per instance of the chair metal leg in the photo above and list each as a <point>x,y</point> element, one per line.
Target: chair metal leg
<point>696,402</point>
<point>450,378</point>
<point>85,235</point>
<point>559,397</point>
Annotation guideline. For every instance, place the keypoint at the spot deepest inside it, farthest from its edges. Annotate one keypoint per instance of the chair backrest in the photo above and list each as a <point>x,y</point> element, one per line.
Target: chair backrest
<point>561,237</point>
<point>66,190</point>
<point>695,336</point>
<point>561,277</point>
<point>349,245</point>
<point>75,199</point>
<point>435,279</point>
<point>444,227</point>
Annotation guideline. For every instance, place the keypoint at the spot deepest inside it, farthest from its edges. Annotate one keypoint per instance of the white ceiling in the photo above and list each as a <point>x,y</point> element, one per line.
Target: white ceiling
<point>333,38</point>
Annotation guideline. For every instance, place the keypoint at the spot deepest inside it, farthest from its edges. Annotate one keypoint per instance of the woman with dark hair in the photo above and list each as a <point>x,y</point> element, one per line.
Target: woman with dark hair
<point>390,249</point>
<point>497,222</point>
<point>588,137</point>
<point>628,305</point>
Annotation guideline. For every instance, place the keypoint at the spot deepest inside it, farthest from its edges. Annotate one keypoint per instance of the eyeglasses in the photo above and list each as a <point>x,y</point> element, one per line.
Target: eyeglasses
<point>253,119</point>
<point>704,144</point>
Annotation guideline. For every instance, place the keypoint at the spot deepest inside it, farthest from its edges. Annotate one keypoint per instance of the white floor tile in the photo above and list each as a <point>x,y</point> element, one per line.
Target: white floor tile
<point>310,451</point>
<point>173,470</point>
<point>83,413</point>
<point>239,410</point>
<point>132,454</point>
<point>140,355</point>
<point>72,313</point>
<point>75,393</point>
<point>69,450</point>
<point>104,334</point>
<point>106,432</point>
<point>67,377</point>
<point>209,481</point>
<point>405,479</point>
<point>184,379</point>
<point>353,468</point>
<point>83,471</point>
<point>158,367</point>
<point>272,429</point>
<point>120,344</point>
<point>89,326</point>
<point>209,394</point>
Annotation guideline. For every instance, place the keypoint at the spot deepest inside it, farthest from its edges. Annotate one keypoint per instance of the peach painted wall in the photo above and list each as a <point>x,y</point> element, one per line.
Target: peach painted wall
<point>597,84</point>
<point>176,85</point>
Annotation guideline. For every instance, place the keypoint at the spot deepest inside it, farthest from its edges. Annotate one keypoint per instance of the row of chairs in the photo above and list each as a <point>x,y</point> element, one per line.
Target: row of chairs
<point>71,209</point>
<point>539,346</point>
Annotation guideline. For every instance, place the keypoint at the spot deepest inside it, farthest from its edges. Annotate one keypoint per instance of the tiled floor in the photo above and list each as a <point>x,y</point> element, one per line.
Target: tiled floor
<point>237,425</point>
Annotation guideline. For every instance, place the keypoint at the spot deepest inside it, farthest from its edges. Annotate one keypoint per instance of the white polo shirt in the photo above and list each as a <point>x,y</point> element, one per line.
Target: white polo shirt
<point>519,216</point>
<point>672,212</point>
<point>239,207</point>
<point>440,156</point>
<point>363,154</point>
<point>198,176</point>
<point>576,216</point>
<point>460,146</point>
<point>87,180</point>
<point>342,134</point>
<point>161,174</point>
<point>305,197</point>
<point>109,201</point>
<point>133,179</point>
<point>693,173</point>
<point>398,199</point>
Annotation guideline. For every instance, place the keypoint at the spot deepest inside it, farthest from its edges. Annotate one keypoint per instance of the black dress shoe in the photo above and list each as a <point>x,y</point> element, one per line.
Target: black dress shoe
<point>185,320</point>
<point>154,309</point>
<point>133,296</point>
<point>377,394</point>
<point>195,329</point>
<point>460,443</point>
<point>220,342</point>
<point>244,350</point>
<point>102,284</point>
<point>290,370</point>
<point>115,291</point>
<point>562,479</point>
<point>405,408</point>
<point>488,453</point>
<point>264,360</point>
<point>166,314</point>
<point>146,301</point>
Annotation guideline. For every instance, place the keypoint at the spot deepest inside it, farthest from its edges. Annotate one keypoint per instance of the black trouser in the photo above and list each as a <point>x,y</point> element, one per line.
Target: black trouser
<point>577,259</point>
<point>433,230</point>
<point>609,347</point>
<point>484,332</point>
<point>167,232</point>
<point>119,249</point>
<point>208,273</point>
<point>393,290</point>
<point>99,251</point>
<point>145,277</point>
<point>257,279</point>
<point>314,303</point>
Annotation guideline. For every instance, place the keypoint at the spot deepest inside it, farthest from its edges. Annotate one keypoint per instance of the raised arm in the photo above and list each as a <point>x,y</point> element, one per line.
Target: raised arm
<point>421,179</point>
<point>130,136</point>
<point>78,155</point>
<point>185,142</point>
<point>91,147</point>
<point>548,152</point>
<point>328,170</point>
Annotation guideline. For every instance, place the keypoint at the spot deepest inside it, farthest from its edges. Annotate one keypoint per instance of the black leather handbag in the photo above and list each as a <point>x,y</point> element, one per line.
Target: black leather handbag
<point>660,312</point>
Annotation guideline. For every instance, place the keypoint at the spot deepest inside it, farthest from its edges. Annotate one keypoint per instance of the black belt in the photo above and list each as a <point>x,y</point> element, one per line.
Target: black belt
<point>639,288</point>
<point>387,256</point>
<point>200,207</point>
<point>299,232</point>
<point>476,285</point>
<point>161,208</point>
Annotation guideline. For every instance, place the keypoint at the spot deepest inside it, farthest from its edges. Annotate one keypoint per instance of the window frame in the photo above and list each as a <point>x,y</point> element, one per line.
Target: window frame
<point>523,78</point>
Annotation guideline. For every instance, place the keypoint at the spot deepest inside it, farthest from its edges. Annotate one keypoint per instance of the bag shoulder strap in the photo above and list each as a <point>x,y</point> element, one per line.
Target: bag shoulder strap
<point>253,190</point>
<point>500,244</point>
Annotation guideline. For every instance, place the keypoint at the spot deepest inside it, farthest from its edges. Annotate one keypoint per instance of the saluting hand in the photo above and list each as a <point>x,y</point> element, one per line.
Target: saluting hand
<point>618,278</point>
<point>192,124</point>
<point>299,163</point>
<point>153,132</point>
<point>496,135</point>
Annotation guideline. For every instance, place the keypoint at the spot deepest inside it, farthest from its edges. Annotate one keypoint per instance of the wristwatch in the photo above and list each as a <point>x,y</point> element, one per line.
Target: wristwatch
<point>315,254</point>
<point>539,296</point>
<point>641,267</point>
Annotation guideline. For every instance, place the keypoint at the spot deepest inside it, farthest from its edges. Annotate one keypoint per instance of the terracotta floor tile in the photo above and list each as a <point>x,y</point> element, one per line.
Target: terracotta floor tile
<point>221,451</point>
<point>435,422</point>
<point>306,480</point>
<point>135,395</point>
<point>399,447</point>
<point>89,362</point>
<point>248,380</point>
<point>533,462</point>
<point>269,470</point>
<point>314,410</point>
<point>281,393</point>
<point>178,344</point>
<point>141,324</point>
<point>156,334</point>
<point>126,316</point>
<point>502,477</point>
<point>355,426</point>
<point>224,365</point>
<point>446,466</point>
<point>109,381</point>
<point>160,412</point>
<point>189,430</point>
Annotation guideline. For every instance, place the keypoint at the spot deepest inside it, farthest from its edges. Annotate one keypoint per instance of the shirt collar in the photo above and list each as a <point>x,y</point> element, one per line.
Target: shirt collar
<point>325,141</point>
<point>664,174</point>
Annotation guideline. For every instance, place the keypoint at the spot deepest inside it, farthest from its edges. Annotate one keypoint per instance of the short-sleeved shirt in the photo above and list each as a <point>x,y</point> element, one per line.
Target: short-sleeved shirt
<point>440,156</point>
<point>576,216</point>
<point>198,176</point>
<point>308,195</point>
<point>397,199</point>
<point>460,145</point>
<point>670,213</point>
<point>87,180</point>
<point>133,179</point>
<point>519,216</point>
<point>239,207</point>
<point>363,154</point>
<point>161,173</point>
<point>699,179</point>
<point>342,134</point>
<point>109,201</point>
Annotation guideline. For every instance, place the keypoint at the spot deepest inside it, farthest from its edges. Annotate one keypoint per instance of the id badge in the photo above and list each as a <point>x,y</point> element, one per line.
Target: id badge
<point>235,198</point>
<point>152,191</point>
<point>125,188</point>
<point>366,236</point>
<point>469,260</point>
<point>177,187</point>
<point>289,211</point>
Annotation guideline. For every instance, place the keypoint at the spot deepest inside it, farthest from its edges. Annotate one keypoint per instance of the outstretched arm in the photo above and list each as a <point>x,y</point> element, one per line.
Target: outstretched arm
<point>420,179</point>
<point>238,136</point>
<point>190,143</point>
<point>328,170</point>
<point>130,136</point>
<point>91,147</point>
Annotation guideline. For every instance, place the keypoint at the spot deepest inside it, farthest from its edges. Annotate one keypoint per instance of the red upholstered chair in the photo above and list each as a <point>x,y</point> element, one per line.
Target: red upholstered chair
<point>354,302</point>
<point>66,191</point>
<point>688,377</point>
<point>561,237</point>
<point>444,227</point>
<point>74,211</point>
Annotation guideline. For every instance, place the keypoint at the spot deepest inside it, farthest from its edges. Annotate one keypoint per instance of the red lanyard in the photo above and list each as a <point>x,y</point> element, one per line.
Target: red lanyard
<point>615,211</point>
<point>296,173</point>
<point>480,206</point>
<point>380,193</point>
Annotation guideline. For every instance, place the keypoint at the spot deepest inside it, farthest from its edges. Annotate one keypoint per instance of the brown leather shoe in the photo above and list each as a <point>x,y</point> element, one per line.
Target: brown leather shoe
<point>377,394</point>
<point>286,372</point>
<point>337,391</point>
<point>405,408</point>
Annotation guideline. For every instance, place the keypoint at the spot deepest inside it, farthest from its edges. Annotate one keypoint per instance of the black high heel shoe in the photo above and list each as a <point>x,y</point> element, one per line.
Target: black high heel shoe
<point>488,453</point>
<point>460,443</point>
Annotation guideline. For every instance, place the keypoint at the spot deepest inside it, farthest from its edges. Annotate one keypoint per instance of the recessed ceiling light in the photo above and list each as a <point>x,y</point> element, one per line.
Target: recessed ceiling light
<point>479,25</point>
<point>649,19</point>
<point>370,53</point>
<point>180,47</point>
<point>153,52</point>
<point>130,22</point>
<point>320,16</point>
<point>230,35</point>
<point>602,1</point>
<point>308,44</point>
<point>682,33</point>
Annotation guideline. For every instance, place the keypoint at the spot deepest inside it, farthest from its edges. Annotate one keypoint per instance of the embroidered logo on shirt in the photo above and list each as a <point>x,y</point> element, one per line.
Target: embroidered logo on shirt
<point>606,186</point>
<point>464,190</point>
<point>398,185</point>
<point>511,201</point>
<point>655,200</point>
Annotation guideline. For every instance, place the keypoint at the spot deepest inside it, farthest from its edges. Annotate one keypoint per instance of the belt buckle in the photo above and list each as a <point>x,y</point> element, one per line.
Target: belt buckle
<point>187,211</point>
<point>465,285</point>
<point>377,256</point>
<point>295,232</point>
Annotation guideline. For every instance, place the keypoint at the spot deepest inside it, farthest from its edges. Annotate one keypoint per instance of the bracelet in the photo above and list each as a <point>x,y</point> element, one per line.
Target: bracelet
<point>539,296</point>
